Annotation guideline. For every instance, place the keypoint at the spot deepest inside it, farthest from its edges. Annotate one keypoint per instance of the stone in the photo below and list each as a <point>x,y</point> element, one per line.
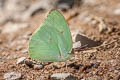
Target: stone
<point>116,12</point>
<point>12,76</point>
<point>74,33</point>
<point>76,45</point>
<point>90,2</point>
<point>29,63</point>
<point>81,41</point>
<point>24,51</point>
<point>11,27</point>
<point>62,76</point>
<point>64,4</point>
<point>86,41</point>
<point>20,60</point>
<point>38,66</point>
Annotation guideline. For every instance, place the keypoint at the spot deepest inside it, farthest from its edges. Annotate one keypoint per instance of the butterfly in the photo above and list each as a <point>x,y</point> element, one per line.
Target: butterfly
<point>52,41</point>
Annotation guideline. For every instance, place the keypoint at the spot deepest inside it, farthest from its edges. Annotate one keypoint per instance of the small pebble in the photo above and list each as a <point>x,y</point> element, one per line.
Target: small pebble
<point>63,76</point>
<point>58,65</point>
<point>21,60</point>
<point>82,79</point>
<point>46,72</point>
<point>90,2</point>
<point>93,22</point>
<point>12,76</point>
<point>74,33</point>
<point>38,66</point>
<point>29,63</point>
<point>24,51</point>
<point>116,12</point>
<point>11,27</point>
<point>76,45</point>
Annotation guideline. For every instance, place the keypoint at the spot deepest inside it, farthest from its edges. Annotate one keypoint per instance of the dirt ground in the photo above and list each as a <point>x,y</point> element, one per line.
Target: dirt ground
<point>94,63</point>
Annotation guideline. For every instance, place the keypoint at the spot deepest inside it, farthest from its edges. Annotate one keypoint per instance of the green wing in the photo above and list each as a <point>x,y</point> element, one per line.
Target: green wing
<point>48,43</point>
<point>56,20</point>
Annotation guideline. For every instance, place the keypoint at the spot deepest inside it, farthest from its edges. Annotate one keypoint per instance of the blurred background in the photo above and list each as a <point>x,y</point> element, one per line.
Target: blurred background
<point>17,14</point>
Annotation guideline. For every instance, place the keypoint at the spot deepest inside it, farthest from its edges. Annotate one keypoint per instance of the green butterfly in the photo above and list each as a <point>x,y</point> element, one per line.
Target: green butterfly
<point>52,41</point>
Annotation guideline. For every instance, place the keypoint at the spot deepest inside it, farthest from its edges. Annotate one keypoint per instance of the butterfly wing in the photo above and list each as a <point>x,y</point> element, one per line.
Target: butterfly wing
<point>56,20</point>
<point>48,43</point>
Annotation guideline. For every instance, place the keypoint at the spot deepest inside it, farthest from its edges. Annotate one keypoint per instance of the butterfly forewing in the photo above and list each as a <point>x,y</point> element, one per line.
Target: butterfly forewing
<point>56,20</point>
